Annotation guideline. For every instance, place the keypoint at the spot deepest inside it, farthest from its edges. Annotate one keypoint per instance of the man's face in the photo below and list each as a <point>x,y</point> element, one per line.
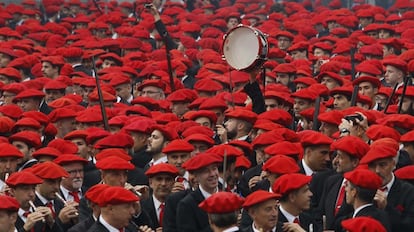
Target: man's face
<point>220,115</point>
<point>231,126</point>
<point>7,165</point>
<point>384,34</point>
<point>179,108</point>
<point>265,215</point>
<point>115,177</point>
<point>29,104</point>
<point>328,129</point>
<point>341,102</point>
<point>271,104</point>
<point>283,78</point>
<point>204,121</point>
<point>177,159</point>
<point>231,23</point>
<point>82,147</point>
<point>392,75</point>
<point>49,70</point>
<point>85,92</point>
<point>122,214</point>
<point>49,187</point>
<point>407,105</point>
<point>23,148</point>
<point>350,193</point>
<point>161,185</point>
<point>140,140</point>
<point>302,197</point>
<point>319,52</point>
<point>384,168</point>
<point>53,94</point>
<point>317,157</point>
<point>199,146</point>
<point>152,92</point>
<point>7,98</point>
<point>24,194</point>
<point>299,105</point>
<point>4,60</point>
<point>283,42</point>
<point>386,51</point>
<point>329,82</point>
<point>365,21</point>
<point>123,91</point>
<point>344,162</point>
<point>298,55</point>
<point>75,180</point>
<point>66,125</point>
<point>367,89</point>
<point>7,221</point>
<point>207,177</point>
<point>156,142</point>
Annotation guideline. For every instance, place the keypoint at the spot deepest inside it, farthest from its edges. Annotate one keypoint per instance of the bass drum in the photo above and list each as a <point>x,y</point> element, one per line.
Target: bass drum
<point>245,48</point>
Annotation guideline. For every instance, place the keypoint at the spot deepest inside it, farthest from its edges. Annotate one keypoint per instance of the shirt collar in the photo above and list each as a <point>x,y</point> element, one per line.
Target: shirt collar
<point>256,230</point>
<point>243,137</point>
<point>163,159</point>
<point>205,193</point>
<point>360,208</point>
<point>389,185</point>
<point>42,199</point>
<point>107,225</point>
<point>231,229</point>
<point>308,170</point>
<point>288,216</point>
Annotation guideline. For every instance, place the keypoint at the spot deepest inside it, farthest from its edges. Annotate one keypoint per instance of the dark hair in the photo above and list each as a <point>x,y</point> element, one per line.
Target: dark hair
<point>364,194</point>
<point>224,220</point>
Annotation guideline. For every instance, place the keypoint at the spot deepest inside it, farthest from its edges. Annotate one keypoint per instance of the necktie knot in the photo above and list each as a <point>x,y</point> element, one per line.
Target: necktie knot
<point>384,189</point>
<point>162,207</point>
<point>26,214</point>
<point>75,195</point>
<point>296,220</point>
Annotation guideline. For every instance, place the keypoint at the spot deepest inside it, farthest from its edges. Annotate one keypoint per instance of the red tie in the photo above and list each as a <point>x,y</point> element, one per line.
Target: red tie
<point>121,230</point>
<point>340,198</point>
<point>26,214</point>
<point>50,205</point>
<point>75,196</point>
<point>384,189</point>
<point>162,206</point>
<point>296,220</point>
<point>180,179</point>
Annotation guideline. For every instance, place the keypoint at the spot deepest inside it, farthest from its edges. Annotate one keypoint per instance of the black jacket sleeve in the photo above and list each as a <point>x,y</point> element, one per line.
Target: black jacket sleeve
<point>254,92</point>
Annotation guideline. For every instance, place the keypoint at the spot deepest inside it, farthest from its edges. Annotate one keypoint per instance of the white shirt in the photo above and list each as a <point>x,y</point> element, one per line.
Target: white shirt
<point>66,194</point>
<point>205,193</point>
<point>21,212</point>
<point>157,205</point>
<point>308,170</point>
<point>107,226</point>
<point>288,216</point>
<point>42,199</point>
<point>163,159</point>
<point>359,209</point>
<point>256,230</point>
<point>389,185</point>
<point>243,138</point>
<point>231,229</point>
<point>2,185</point>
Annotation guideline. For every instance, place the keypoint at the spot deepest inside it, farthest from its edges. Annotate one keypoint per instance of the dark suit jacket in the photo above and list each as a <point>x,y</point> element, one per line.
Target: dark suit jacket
<point>254,92</point>
<point>170,211</point>
<point>400,206</point>
<point>243,185</point>
<point>83,225</point>
<point>58,225</point>
<point>190,217</point>
<point>250,228</point>
<point>149,208</point>
<point>305,221</point>
<point>141,158</point>
<point>374,212</point>
<point>98,227</point>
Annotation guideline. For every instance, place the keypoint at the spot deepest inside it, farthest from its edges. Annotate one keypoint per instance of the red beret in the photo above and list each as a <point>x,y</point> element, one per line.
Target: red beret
<point>397,63</point>
<point>364,178</point>
<point>244,145</point>
<point>54,60</point>
<point>11,73</point>
<point>23,177</point>
<point>114,195</point>
<point>285,148</point>
<point>343,90</point>
<point>197,129</point>
<point>112,56</point>
<point>278,116</point>
<point>107,97</point>
<point>54,85</point>
<point>372,49</point>
<point>307,94</point>
<point>61,113</point>
<point>29,93</point>
<point>281,164</point>
<point>366,67</point>
<point>156,83</point>
<point>182,95</point>
<point>114,163</point>
<point>311,138</point>
<point>200,138</point>
<point>242,162</point>
<point>405,173</point>
<point>168,132</point>
<point>375,132</point>
<point>213,103</point>
<point>119,79</point>
<point>117,140</point>
<point>332,117</point>
<point>352,145</point>
<point>267,138</point>
<point>242,114</point>
<point>222,203</point>
<point>9,204</point>
<point>408,93</point>
<point>76,134</point>
<point>202,160</point>
<point>193,115</point>
<point>63,146</point>
<point>379,152</point>
<point>258,197</point>
<point>338,78</point>
<point>29,137</point>
<point>225,149</point>
<point>140,126</point>
<point>285,68</point>
<point>207,85</point>
<point>285,34</point>
<point>118,152</point>
<point>162,168</point>
<point>49,170</point>
<point>46,151</point>
<point>407,137</point>
<point>72,52</point>
<point>93,194</point>
<point>8,150</point>
<point>69,158</point>
<point>178,145</point>
<point>373,80</point>
<point>289,182</point>
<point>363,223</point>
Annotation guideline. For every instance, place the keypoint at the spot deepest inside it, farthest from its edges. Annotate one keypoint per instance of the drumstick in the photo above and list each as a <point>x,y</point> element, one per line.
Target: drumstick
<point>6,176</point>
<point>34,209</point>
<point>63,200</point>
<point>132,189</point>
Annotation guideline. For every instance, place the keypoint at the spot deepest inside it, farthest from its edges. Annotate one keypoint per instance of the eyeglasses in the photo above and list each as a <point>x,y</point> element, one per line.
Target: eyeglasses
<point>149,92</point>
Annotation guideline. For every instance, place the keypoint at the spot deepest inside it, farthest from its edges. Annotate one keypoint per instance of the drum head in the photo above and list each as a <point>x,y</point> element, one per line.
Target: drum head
<point>241,48</point>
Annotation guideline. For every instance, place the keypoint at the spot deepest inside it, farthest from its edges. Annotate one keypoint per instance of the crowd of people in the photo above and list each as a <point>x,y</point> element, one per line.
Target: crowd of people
<point>124,116</point>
